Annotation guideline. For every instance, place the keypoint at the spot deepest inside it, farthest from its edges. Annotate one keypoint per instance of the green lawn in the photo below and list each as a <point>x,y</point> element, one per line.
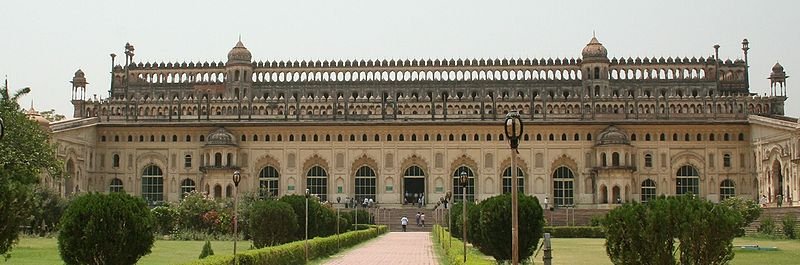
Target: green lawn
<point>36,251</point>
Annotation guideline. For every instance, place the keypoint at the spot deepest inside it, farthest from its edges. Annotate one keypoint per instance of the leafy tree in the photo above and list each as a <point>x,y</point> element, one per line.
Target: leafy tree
<point>47,210</point>
<point>705,230</point>
<point>166,217</point>
<point>192,210</point>
<point>25,155</point>
<point>322,221</point>
<point>495,226</point>
<point>51,115</point>
<point>116,228</point>
<point>272,223</point>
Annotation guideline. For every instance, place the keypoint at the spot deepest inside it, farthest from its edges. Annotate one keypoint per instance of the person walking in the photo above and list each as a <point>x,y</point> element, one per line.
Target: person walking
<point>422,219</point>
<point>780,200</point>
<point>417,218</point>
<point>404,222</point>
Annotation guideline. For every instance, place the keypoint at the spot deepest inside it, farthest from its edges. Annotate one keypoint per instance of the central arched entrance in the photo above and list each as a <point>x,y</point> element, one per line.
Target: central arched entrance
<point>778,178</point>
<point>413,185</point>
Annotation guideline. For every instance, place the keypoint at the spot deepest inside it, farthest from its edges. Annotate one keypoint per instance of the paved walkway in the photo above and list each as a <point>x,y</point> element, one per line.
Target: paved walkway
<point>412,248</point>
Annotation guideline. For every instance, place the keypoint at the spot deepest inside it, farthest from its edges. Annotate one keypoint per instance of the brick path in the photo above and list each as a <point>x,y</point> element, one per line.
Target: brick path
<point>412,248</point>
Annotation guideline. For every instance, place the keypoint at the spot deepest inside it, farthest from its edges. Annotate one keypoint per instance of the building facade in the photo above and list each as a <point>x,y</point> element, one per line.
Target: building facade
<point>598,131</point>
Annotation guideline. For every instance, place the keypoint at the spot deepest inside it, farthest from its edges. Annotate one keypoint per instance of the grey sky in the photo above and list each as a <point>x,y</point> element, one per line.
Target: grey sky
<point>44,43</point>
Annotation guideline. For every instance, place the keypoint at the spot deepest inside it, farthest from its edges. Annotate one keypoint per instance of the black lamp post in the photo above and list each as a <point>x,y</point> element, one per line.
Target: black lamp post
<point>237,177</point>
<point>2,128</point>
<point>308,193</point>
<point>513,129</point>
<point>464,211</point>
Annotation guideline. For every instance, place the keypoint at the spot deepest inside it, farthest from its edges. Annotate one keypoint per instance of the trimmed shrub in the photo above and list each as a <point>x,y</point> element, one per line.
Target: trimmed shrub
<point>495,226</point>
<point>455,216</point>
<point>323,221</point>
<point>294,253</point>
<point>47,210</point>
<point>767,226</point>
<point>166,218</point>
<point>207,251</point>
<point>106,229</point>
<point>575,231</point>
<point>272,223</point>
<point>789,223</point>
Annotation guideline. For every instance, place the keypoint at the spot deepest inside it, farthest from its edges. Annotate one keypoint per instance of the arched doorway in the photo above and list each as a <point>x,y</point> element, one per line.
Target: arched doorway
<point>777,175</point>
<point>603,194</point>
<point>70,179</point>
<point>616,197</point>
<point>413,185</point>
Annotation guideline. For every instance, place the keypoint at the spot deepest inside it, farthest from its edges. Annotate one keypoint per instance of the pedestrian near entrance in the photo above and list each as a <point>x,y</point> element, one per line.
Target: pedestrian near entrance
<point>780,200</point>
<point>418,214</point>
<point>422,219</point>
<point>404,222</point>
<point>763,201</point>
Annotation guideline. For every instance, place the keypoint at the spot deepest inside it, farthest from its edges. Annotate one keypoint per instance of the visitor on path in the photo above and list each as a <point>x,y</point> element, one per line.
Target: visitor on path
<point>418,213</point>
<point>763,201</point>
<point>404,222</point>
<point>780,200</point>
<point>422,219</point>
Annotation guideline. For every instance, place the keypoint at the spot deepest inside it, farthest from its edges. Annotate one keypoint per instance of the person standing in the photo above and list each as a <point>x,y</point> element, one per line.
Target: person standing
<point>780,200</point>
<point>404,222</point>
<point>422,219</point>
<point>763,201</point>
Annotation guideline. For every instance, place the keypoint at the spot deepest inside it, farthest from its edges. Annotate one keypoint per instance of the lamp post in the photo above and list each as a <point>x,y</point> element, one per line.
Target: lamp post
<point>513,130</point>
<point>237,177</point>
<point>308,192</point>
<point>464,211</point>
<point>2,128</point>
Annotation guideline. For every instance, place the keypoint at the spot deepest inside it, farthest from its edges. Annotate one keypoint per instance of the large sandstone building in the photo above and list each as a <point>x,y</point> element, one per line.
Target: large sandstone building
<point>598,130</point>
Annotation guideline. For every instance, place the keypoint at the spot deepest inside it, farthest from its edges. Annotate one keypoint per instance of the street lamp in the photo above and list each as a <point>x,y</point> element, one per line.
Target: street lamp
<point>513,130</point>
<point>237,177</point>
<point>308,193</point>
<point>464,211</point>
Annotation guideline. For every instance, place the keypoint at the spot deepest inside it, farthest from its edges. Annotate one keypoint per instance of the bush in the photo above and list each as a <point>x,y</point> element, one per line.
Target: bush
<point>322,221</point>
<point>364,217</point>
<point>767,226</point>
<point>207,251</point>
<point>495,226</point>
<point>455,215</point>
<point>272,223</point>
<point>454,255</point>
<point>294,253</point>
<point>47,210</point>
<point>749,209</point>
<point>646,233</point>
<point>106,229</point>
<point>596,220</point>
<point>575,231</point>
<point>166,218</point>
<point>199,213</point>
<point>789,224</point>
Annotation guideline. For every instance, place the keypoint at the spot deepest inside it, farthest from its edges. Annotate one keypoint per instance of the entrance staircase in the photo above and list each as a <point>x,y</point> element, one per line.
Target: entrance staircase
<point>391,218</point>
<point>777,215</point>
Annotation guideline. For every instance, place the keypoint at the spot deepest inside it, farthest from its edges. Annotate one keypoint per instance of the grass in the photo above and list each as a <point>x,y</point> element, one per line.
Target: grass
<point>445,252</point>
<point>35,251</point>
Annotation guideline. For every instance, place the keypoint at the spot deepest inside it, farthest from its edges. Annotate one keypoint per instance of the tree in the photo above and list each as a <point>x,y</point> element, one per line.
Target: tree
<point>25,155</point>
<point>47,210</point>
<point>495,226</point>
<point>749,209</point>
<point>114,228</point>
<point>322,221</point>
<point>51,115</point>
<point>272,223</point>
<point>207,250</point>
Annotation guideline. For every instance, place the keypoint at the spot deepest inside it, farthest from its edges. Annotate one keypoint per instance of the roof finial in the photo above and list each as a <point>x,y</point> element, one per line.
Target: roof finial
<point>240,37</point>
<point>593,36</point>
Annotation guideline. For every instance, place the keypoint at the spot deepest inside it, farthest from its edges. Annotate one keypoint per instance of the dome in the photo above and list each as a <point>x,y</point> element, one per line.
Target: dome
<point>220,137</point>
<point>594,49</point>
<point>239,54</point>
<point>38,118</point>
<point>778,68</point>
<point>612,135</point>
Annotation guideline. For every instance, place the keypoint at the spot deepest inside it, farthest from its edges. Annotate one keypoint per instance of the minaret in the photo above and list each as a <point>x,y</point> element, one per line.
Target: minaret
<point>594,68</point>
<point>238,81</point>
<point>78,93</point>
<point>777,81</point>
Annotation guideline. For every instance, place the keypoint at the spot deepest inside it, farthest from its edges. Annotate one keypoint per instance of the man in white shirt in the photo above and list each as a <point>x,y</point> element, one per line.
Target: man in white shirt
<point>404,222</point>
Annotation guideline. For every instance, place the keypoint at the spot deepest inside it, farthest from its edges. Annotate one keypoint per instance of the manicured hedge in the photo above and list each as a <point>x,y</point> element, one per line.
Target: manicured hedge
<point>575,231</point>
<point>294,253</point>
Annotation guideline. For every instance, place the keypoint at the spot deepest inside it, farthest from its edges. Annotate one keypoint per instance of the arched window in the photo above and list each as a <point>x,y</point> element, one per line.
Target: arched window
<point>317,182</point>
<point>116,185</point>
<point>726,160</point>
<point>152,184</point>
<point>507,180</point>
<point>615,159</point>
<point>470,185</point>
<point>687,181</point>
<point>218,160</point>
<point>603,160</point>
<point>229,160</point>
<point>217,191</point>
<point>563,186</point>
<point>268,182</point>
<point>187,161</point>
<point>229,191</point>
<point>648,160</point>
<point>648,190</point>
<point>365,183</point>
<point>187,186</point>
<point>647,137</point>
<point>727,189</point>
<point>115,160</point>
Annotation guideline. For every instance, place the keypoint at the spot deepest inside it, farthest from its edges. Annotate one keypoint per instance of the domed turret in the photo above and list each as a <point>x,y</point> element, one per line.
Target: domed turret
<point>38,118</point>
<point>594,49</point>
<point>79,80</point>
<point>612,135</point>
<point>221,137</point>
<point>239,54</point>
<point>778,68</point>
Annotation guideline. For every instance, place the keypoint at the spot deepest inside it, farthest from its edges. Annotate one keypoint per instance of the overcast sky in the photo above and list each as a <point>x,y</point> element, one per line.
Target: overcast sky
<point>44,43</point>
